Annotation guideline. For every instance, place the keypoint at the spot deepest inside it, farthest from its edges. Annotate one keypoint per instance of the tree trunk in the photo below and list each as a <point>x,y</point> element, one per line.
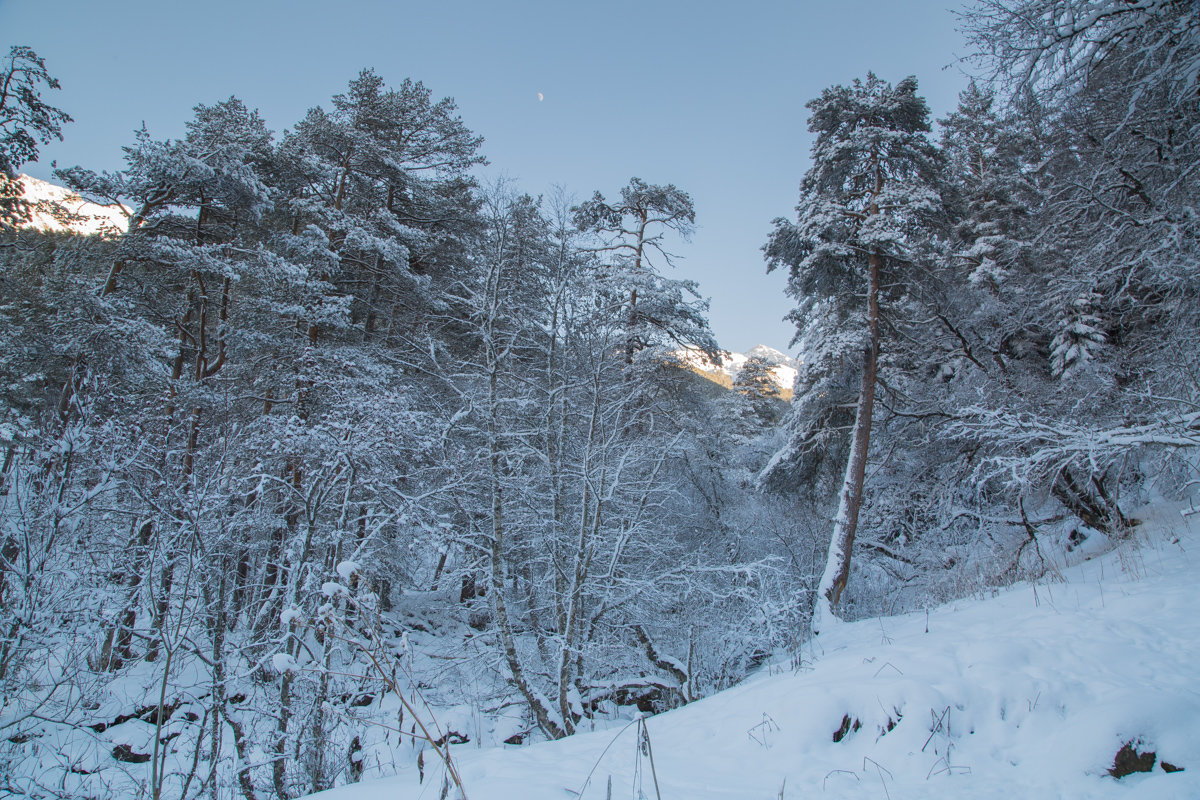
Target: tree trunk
<point>494,355</point>
<point>845,525</point>
<point>1091,503</point>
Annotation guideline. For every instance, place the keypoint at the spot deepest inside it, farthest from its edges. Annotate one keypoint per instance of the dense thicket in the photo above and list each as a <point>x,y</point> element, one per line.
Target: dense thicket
<point>1036,336</point>
<point>328,395</point>
<point>334,441</point>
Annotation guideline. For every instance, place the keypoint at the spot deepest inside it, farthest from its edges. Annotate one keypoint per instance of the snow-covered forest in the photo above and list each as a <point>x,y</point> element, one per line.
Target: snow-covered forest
<point>323,458</point>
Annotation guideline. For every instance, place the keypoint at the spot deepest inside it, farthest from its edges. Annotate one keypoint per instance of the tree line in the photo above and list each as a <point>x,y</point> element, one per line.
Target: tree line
<point>999,325</point>
<point>327,385</point>
<point>333,435</point>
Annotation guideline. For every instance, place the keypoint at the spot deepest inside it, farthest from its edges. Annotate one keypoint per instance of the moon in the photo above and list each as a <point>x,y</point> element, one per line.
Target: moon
<point>541,97</point>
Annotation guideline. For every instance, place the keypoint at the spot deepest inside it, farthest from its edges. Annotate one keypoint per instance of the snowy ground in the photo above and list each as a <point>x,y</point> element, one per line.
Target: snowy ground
<point>1027,693</point>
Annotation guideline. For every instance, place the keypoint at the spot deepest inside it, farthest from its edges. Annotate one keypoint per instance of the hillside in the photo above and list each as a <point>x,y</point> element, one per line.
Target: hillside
<point>1030,691</point>
<point>337,454</point>
<point>57,209</point>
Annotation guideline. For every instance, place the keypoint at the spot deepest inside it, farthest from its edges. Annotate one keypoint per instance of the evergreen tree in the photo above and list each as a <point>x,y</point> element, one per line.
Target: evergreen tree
<point>756,382</point>
<point>26,121</point>
<point>986,155</point>
<point>1116,243</point>
<point>632,233</point>
<point>872,186</point>
<point>383,175</point>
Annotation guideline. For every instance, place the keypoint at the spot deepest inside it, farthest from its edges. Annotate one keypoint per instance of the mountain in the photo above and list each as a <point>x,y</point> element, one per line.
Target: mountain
<point>731,364</point>
<point>57,209</point>
<point>773,355</point>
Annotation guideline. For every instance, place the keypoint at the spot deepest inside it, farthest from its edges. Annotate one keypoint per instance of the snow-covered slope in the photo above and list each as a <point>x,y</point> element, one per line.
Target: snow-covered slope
<point>57,209</point>
<point>1029,692</point>
<point>727,371</point>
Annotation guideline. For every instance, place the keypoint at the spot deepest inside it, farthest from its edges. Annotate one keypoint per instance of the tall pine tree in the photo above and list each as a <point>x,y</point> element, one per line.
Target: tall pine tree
<point>873,184</point>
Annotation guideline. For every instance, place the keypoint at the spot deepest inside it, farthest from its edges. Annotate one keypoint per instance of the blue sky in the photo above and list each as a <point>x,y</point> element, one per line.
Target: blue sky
<point>708,96</point>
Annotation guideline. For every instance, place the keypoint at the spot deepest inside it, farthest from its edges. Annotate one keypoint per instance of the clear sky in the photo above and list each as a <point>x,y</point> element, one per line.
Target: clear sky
<point>708,96</point>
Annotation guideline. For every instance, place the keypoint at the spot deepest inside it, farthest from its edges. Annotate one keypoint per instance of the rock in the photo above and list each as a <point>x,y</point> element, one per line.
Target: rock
<point>124,752</point>
<point>1129,760</point>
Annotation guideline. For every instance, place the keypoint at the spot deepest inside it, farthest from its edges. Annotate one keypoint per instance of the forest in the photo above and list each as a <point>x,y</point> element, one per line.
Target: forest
<point>333,438</point>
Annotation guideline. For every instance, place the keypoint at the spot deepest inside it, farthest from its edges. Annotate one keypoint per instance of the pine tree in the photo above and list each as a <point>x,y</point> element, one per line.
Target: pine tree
<point>1117,228</point>
<point>1116,239</point>
<point>985,158</point>
<point>632,233</point>
<point>383,175</point>
<point>25,122</point>
<point>756,382</point>
<point>873,183</point>
<point>1079,339</point>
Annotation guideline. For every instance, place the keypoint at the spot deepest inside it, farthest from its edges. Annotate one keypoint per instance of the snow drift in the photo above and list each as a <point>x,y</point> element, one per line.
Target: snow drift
<point>1031,691</point>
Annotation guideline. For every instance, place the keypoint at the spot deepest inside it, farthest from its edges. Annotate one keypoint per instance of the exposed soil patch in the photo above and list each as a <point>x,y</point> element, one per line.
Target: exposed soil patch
<point>846,727</point>
<point>1129,760</point>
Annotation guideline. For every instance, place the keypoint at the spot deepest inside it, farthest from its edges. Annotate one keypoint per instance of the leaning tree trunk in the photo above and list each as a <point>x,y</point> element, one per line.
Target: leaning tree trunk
<point>845,525</point>
<point>1091,503</point>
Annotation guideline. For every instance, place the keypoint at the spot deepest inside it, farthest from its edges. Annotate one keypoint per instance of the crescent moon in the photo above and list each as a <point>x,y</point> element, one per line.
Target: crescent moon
<point>541,97</point>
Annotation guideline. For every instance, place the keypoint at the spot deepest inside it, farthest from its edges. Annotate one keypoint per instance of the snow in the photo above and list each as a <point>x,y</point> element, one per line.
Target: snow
<point>1029,691</point>
<point>284,663</point>
<point>784,370</point>
<point>85,217</point>
<point>333,589</point>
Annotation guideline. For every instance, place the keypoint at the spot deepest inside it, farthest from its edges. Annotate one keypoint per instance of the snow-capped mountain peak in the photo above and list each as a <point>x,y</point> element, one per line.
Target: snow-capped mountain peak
<point>784,370</point>
<point>772,355</point>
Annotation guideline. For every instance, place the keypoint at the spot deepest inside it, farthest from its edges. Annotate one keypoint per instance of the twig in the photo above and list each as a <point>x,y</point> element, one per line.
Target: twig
<point>887,664</point>
<point>937,727</point>
<point>650,753</point>
<point>880,769</point>
<point>443,755</point>
<point>834,772</point>
<point>600,758</point>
